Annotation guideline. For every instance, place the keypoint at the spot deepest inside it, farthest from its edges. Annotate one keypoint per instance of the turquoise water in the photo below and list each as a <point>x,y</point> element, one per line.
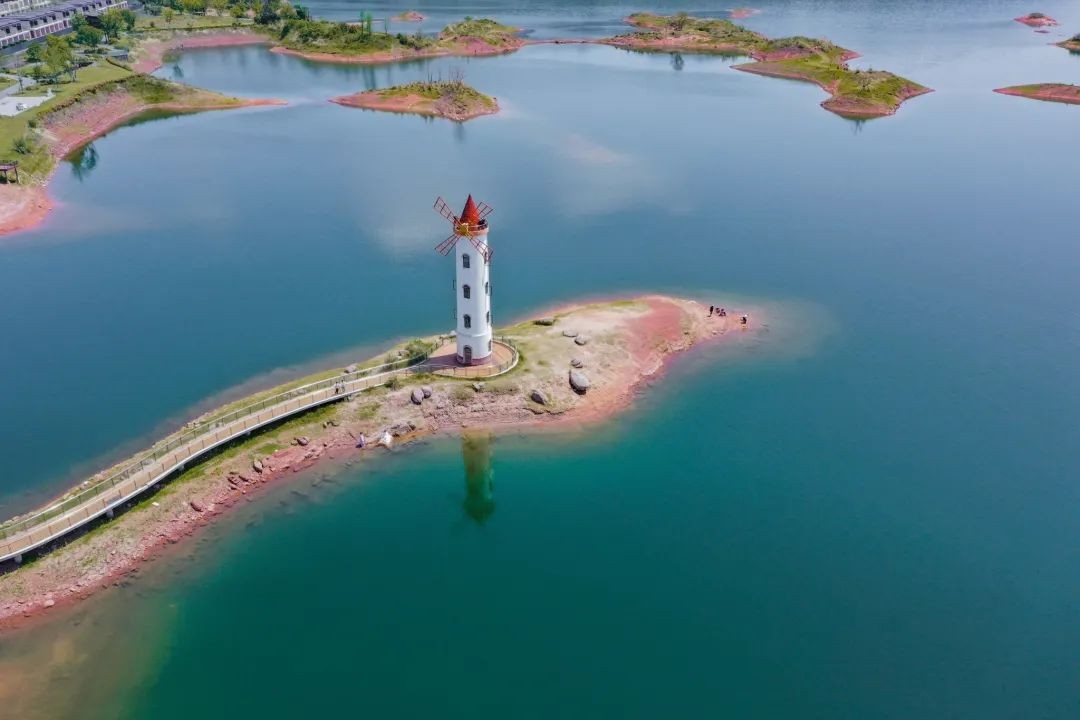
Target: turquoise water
<point>871,513</point>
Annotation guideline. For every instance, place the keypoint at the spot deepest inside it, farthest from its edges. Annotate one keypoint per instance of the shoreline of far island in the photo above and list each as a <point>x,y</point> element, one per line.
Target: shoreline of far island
<point>573,367</point>
<point>854,93</point>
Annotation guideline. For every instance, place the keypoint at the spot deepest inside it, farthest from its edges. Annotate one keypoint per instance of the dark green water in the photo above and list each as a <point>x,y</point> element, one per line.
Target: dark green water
<point>870,513</point>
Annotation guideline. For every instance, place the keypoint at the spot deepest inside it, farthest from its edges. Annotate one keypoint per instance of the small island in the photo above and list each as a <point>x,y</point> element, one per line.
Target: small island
<point>855,93</point>
<point>1037,20</point>
<point>1050,92</point>
<point>328,41</point>
<point>583,363</point>
<point>1072,44</point>
<point>451,99</point>
<point>408,16</point>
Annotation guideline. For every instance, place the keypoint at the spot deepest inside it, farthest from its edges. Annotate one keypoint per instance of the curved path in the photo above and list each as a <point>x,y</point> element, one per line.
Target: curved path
<point>23,535</point>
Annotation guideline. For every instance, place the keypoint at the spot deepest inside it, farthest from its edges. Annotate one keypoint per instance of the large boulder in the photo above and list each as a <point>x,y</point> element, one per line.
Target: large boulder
<point>257,466</point>
<point>581,340</point>
<point>417,396</point>
<point>579,381</point>
<point>426,389</point>
<point>570,333</point>
<point>351,369</point>
<point>544,321</point>
<point>539,397</point>
<point>577,362</point>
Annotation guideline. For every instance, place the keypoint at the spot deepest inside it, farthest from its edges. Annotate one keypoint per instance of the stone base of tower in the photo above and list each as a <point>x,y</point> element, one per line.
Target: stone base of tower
<point>445,361</point>
<point>466,362</point>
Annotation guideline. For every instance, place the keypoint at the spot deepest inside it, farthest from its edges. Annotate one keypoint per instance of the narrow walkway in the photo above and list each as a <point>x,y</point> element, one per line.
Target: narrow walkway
<point>102,498</point>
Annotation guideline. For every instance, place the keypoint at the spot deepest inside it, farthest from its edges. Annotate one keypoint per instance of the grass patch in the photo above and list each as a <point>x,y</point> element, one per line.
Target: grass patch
<point>39,162</point>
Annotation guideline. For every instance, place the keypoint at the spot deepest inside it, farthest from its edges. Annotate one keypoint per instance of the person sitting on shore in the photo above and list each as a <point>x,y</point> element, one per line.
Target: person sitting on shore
<point>722,313</point>
<point>743,319</point>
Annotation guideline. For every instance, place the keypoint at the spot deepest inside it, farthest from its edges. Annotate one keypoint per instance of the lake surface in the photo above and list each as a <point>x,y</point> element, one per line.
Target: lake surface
<point>872,512</point>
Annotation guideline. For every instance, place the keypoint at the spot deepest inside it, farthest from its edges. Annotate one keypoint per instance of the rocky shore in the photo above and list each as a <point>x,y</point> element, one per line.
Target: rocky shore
<point>580,364</point>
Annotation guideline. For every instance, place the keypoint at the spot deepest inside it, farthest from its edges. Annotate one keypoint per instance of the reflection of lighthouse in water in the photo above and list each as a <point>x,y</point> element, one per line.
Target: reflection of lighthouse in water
<point>476,451</point>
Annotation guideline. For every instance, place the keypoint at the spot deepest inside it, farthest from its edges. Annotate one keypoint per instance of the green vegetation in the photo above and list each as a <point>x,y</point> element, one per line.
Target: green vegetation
<point>14,130</point>
<point>855,92</point>
<point>359,38</point>
<point>451,98</point>
<point>691,33</point>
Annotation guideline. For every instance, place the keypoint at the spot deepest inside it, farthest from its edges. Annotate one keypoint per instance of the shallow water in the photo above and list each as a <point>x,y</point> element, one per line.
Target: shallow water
<point>870,514</point>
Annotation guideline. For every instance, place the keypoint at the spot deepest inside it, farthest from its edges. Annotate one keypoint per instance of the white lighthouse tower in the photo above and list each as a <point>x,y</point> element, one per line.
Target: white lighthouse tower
<point>472,283</point>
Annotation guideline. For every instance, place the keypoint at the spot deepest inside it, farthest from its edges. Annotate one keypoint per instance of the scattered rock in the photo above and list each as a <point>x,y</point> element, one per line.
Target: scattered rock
<point>478,386</point>
<point>579,381</point>
<point>257,466</point>
<point>303,441</point>
<point>49,602</point>
<point>578,363</point>
<point>401,429</point>
<point>417,396</point>
<point>570,333</point>
<point>538,396</point>
<point>426,389</point>
<point>581,340</point>
<point>544,321</point>
<point>351,369</point>
<point>196,506</point>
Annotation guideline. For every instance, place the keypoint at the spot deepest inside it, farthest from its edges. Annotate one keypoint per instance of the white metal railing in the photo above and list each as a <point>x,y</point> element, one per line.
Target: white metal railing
<point>23,534</point>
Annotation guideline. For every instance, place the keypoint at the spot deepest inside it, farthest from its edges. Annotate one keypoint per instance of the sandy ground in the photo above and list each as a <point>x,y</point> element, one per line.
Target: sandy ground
<point>22,207</point>
<point>151,53</point>
<point>415,104</point>
<point>626,345</point>
<point>1053,92</point>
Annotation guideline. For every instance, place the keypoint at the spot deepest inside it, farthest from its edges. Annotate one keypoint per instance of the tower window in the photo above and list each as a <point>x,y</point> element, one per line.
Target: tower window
<point>467,321</point>
<point>487,288</point>
<point>466,291</point>
<point>465,260</point>
<point>489,346</point>
<point>489,318</point>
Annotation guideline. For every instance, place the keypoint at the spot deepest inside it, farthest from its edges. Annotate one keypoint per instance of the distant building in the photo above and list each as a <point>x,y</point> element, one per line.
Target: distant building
<point>34,19</point>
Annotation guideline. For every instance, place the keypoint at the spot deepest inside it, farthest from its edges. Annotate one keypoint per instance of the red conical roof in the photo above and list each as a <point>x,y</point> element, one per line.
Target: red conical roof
<point>470,214</point>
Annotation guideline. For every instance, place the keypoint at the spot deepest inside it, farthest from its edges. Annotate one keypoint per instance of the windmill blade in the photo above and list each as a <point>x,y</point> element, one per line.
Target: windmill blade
<point>443,209</point>
<point>483,247</point>
<point>484,209</point>
<point>446,245</point>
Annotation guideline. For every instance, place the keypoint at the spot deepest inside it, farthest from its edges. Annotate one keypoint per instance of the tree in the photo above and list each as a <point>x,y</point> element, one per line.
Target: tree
<point>266,14</point>
<point>58,56</point>
<point>302,13</point>
<point>35,52</point>
<point>129,19</point>
<point>88,35</point>
<point>112,21</point>
<point>237,11</point>
<point>168,13</point>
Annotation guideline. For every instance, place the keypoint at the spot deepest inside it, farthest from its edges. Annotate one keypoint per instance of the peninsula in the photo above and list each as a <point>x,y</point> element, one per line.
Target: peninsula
<point>102,97</point>
<point>451,99</point>
<point>357,43</point>
<point>577,364</point>
<point>1052,92</point>
<point>854,93</point>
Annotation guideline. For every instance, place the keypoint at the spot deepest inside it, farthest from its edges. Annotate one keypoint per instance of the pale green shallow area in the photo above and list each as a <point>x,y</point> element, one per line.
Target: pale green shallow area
<point>869,514</point>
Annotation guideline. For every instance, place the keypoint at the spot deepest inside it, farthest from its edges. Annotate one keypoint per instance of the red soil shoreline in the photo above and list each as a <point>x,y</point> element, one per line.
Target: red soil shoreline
<point>658,339</point>
<point>470,47</point>
<point>1036,22</point>
<point>1050,92</point>
<point>838,105</point>
<point>26,207</point>
<point>153,52</point>
<point>409,104</point>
